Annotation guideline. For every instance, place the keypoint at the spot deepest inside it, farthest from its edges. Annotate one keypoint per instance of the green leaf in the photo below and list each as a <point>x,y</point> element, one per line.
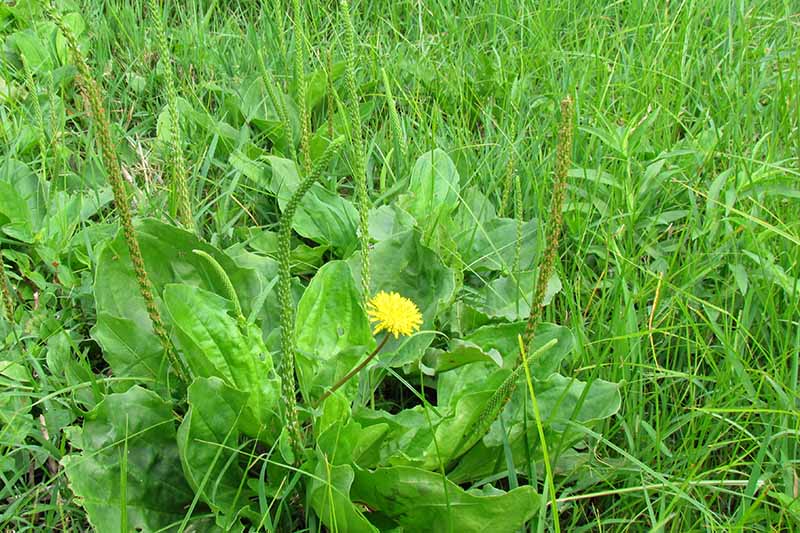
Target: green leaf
<point>406,437</point>
<point>207,441</point>
<point>459,354</point>
<point>328,493</point>
<point>563,399</point>
<point>418,500</point>
<point>217,345</point>
<point>147,480</point>
<point>387,221</point>
<point>491,245</point>
<point>130,348</point>
<point>16,420</point>
<point>168,258</point>
<point>433,189</point>
<point>331,330</point>
<point>560,400</point>
<point>322,216</point>
<point>32,49</point>
<point>509,297</point>
<point>22,201</point>
<point>502,338</point>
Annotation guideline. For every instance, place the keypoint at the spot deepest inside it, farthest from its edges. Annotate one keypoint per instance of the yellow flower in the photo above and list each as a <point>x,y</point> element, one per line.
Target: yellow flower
<point>394,314</point>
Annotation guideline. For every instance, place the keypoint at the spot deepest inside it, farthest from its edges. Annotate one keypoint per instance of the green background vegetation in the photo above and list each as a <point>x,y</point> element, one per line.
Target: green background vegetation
<point>680,247</point>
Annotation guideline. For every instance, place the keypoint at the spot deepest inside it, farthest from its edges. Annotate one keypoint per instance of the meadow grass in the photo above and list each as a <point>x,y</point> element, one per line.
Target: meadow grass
<point>681,239</point>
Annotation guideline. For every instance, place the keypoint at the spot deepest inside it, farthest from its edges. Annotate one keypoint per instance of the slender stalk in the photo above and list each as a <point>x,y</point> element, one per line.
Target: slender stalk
<point>331,95</point>
<point>397,128</point>
<point>300,80</point>
<point>8,302</point>
<point>276,97</point>
<point>511,167</point>
<point>502,395</point>
<point>37,110</point>
<point>180,187</point>
<point>355,370</point>
<point>540,429</point>
<point>563,162</point>
<point>287,366</point>
<point>359,154</point>
<point>91,90</point>
<point>518,215</point>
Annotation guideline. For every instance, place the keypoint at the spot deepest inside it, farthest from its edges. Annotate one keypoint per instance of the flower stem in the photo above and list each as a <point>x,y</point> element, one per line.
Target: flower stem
<point>355,371</point>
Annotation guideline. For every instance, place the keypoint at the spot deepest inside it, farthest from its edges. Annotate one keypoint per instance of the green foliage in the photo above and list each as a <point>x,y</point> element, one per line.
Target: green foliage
<point>664,365</point>
<point>331,329</point>
<point>215,344</point>
<point>419,500</point>
<point>128,474</point>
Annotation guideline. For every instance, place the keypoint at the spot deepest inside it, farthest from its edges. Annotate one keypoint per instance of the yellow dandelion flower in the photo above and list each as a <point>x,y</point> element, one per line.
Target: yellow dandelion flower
<point>394,314</point>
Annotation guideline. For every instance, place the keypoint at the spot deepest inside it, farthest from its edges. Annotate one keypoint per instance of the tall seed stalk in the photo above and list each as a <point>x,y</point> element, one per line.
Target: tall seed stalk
<point>563,162</point>
<point>359,154</point>
<point>41,136</point>
<point>286,371</point>
<point>502,395</point>
<point>300,80</point>
<point>397,129</point>
<point>511,167</point>
<point>178,181</point>
<point>331,94</point>
<point>8,303</point>
<point>91,91</point>
<point>278,103</point>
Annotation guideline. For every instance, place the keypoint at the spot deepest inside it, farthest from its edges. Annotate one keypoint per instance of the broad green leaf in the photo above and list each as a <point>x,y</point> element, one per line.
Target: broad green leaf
<point>130,348</point>
<point>418,500</point>
<point>22,201</point>
<point>343,440</point>
<point>387,221</point>
<point>560,400</point>
<point>322,216</point>
<point>328,493</point>
<point>32,48</point>
<point>16,420</point>
<point>129,459</point>
<point>168,258</point>
<point>431,440</point>
<point>509,297</point>
<point>460,353</point>
<point>406,435</point>
<point>503,338</point>
<point>500,340</point>
<point>331,330</point>
<point>216,345</point>
<point>14,216</point>
<point>207,441</point>
<point>433,189</point>
<point>492,244</point>
<point>402,264</point>
<point>475,208</point>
